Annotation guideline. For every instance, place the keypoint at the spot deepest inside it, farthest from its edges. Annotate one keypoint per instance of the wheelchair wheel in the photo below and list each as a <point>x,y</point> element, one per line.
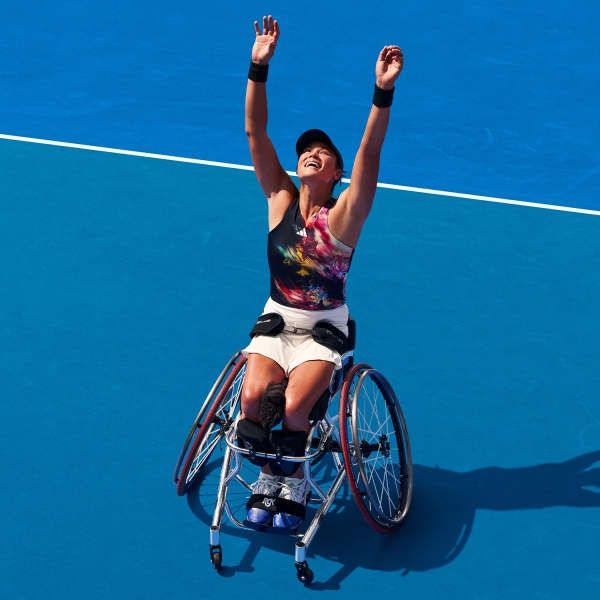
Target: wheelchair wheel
<point>375,448</point>
<point>213,420</point>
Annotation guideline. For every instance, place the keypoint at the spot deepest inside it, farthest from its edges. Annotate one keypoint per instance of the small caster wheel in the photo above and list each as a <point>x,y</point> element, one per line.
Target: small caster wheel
<point>304,573</point>
<point>216,556</point>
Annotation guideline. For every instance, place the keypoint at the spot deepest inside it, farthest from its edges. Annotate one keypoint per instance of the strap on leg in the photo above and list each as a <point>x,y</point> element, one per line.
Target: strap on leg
<point>287,443</point>
<point>255,439</point>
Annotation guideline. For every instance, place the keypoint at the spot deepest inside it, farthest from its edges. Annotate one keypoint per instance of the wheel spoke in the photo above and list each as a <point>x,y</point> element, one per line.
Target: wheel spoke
<point>218,411</point>
<point>204,451</point>
<point>391,475</point>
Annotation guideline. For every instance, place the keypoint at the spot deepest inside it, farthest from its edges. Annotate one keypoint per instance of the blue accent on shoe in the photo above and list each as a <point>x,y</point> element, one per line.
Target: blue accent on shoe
<point>259,516</point>
<point>285,520</point>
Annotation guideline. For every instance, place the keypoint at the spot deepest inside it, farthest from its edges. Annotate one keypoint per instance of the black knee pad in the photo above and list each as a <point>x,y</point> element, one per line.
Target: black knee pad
<point>287,443</point>
<point>273,405</point>
<point>255,439</point>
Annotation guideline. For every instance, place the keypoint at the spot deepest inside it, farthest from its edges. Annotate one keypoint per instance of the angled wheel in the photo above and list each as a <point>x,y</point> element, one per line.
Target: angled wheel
<point>213,420</point>
<point>216,557</point>
<point>375,448</point>
<point>304,573</point>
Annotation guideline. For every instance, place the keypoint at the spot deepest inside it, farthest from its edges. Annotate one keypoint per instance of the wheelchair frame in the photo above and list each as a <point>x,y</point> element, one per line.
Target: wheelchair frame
<point>219,420</point>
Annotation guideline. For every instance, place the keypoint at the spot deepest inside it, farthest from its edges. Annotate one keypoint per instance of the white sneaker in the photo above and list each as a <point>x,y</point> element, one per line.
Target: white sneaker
<point>267,485</point>
<point>296,490</point>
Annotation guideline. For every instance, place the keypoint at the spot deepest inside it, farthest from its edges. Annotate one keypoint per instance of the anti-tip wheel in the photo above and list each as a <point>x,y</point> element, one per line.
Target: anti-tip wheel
<point>216,557</point>
<point>217,560</point>
<point>304,573</point>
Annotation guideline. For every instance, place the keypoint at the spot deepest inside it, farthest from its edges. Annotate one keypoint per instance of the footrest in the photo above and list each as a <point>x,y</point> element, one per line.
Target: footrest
<point>273,504</point>
<point>270,529</point>
<point>263,502</point>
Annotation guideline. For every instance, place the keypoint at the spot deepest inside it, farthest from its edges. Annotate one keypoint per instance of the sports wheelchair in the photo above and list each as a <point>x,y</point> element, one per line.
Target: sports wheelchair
<point>367,440</point>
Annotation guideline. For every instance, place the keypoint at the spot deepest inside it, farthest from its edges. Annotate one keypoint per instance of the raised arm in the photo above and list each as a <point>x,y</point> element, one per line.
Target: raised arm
<point>276,184</point>
<point>355,202</point>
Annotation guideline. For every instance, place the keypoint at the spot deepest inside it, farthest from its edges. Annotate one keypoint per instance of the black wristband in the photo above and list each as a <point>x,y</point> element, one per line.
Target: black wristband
<point>383,98</point>
<point>258,72</point>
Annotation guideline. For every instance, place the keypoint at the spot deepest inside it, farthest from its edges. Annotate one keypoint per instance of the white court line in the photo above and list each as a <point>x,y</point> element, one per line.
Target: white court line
<point>212,163</point>
<point>128,152</point>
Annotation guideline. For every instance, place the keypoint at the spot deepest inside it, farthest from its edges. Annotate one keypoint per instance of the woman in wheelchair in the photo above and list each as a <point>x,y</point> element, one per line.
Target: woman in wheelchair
<point>311,241</point>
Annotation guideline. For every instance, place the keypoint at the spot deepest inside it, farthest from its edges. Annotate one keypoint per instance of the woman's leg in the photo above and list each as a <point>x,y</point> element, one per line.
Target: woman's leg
<point>261,372</point>
<point>307,382</point>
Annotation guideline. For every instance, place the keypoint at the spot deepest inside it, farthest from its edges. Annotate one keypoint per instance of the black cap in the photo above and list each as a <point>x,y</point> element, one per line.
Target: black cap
<point>316,135</point>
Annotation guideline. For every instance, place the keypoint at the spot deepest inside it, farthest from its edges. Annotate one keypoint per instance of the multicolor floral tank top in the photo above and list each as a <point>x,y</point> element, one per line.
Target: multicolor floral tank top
<point>308,265</point>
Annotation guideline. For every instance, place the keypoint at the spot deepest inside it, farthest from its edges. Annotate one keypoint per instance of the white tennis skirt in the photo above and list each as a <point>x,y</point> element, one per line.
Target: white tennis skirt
<point>289,350</point>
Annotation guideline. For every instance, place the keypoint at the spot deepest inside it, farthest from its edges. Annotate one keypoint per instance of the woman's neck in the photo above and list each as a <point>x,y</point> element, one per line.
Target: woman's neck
<point>312,199</point>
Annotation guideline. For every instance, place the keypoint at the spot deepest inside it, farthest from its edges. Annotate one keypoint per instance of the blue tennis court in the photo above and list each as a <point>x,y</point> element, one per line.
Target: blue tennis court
<point>127,281</point>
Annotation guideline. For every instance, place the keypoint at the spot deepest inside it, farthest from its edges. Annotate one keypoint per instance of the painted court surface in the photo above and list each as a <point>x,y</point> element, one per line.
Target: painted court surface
<point>127,282</point>
<point>125,290</point>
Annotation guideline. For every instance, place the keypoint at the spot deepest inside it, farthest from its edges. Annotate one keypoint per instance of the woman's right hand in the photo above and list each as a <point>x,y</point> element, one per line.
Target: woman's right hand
<point>264,45</point>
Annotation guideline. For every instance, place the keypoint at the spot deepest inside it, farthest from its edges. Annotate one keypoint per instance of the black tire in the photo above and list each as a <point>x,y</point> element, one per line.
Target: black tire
<point>305,576</point>
<point>376,448</point>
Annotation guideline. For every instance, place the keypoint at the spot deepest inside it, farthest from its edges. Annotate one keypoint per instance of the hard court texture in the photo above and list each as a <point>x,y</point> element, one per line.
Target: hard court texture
<point>497,98</point>
<point>126,284</point>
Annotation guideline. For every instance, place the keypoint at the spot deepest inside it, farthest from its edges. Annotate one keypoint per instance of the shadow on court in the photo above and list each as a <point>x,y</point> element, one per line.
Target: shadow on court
<point>437,527</point>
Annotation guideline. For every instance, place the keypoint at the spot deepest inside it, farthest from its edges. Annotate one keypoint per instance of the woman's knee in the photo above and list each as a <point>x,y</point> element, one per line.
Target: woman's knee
<point>261,372</point>
<point>251,398</point>
<point>297,409</point>
<point>252,395</point>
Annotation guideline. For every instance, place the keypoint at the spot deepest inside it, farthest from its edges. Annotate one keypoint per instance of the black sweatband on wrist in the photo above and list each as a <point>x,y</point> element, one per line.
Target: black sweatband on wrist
<point>383,98</point>
<point>258,72</point>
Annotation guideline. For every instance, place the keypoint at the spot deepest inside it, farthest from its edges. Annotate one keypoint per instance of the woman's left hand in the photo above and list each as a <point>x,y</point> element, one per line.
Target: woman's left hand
<point>389,65</point>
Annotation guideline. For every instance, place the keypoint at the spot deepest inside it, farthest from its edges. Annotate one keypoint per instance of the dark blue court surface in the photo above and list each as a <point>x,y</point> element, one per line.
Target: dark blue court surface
<point>498,97</point>
<point>126,283</point>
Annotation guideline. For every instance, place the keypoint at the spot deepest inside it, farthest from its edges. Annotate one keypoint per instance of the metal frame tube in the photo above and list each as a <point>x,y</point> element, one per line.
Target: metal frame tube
<point>214,536</point>
<point>323,510</point>
<point>300,552</point>
<point>312,483</point>
<point>231,443</point>
<point>222,492</point>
